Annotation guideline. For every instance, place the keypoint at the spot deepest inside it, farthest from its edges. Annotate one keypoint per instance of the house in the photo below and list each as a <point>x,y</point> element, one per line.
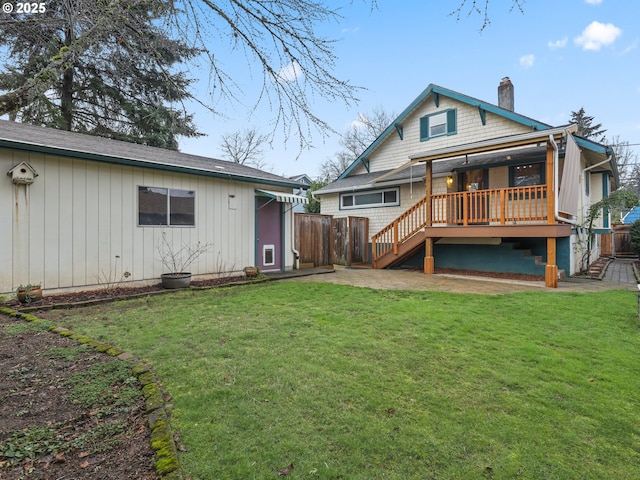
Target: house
<point>305,182</point>
<point>631,216</point>
<point>78,211</point>
<point>456,182</point>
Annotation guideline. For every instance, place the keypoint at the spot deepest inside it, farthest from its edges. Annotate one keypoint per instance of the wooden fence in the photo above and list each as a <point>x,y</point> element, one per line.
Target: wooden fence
<point>616,243</point>
<point>324,240</point>
<point>314,239</point>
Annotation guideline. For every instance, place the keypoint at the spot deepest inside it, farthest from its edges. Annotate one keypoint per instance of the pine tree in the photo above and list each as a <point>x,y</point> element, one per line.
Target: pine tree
<point>115,76</point>
<point>585,128</point>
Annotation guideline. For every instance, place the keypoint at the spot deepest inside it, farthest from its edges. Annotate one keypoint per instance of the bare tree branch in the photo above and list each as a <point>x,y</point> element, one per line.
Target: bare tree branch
<point>244,147</point>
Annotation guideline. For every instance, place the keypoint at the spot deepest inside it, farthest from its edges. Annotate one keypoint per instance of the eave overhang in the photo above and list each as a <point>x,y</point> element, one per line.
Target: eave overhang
<point>120,160</point>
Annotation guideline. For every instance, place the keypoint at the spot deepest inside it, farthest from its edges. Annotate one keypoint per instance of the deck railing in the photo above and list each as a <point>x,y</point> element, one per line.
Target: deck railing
<point>497,206</point>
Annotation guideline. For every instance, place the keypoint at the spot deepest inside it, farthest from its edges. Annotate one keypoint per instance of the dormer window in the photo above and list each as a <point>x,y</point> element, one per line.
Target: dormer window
<point>438,124</point>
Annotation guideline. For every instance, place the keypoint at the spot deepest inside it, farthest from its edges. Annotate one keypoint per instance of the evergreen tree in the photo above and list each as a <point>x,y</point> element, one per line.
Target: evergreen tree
<point>585,127</point>
<point>115,76</point>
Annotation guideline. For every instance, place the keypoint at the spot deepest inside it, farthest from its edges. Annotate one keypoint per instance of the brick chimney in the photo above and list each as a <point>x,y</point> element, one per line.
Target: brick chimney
<point>505,94</point>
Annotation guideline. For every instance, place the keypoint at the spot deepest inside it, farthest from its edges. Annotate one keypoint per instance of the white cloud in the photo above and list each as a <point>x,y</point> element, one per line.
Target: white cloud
<point>558,43</point>
<point>290,73</point>
<point>597,35</point>
<point>351,30</point>
<point>527,61</point>
<point>593,2</point>
<point>630,48</point>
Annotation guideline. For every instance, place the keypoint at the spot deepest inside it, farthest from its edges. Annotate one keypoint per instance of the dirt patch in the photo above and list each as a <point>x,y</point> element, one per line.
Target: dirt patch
<point>50,431</point>
<point>52,426</point>
<point>110,294</point>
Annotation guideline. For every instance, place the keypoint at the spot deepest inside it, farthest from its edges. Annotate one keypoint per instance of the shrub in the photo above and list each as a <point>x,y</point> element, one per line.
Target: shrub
<point>634,232</point>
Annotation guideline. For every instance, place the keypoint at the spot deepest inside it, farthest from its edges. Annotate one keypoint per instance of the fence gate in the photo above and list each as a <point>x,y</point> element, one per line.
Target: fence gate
<point>350,240</point>
<point>622,240</point>
<point>314,239</point>
<point>359,239</point>
<point>616,243</point>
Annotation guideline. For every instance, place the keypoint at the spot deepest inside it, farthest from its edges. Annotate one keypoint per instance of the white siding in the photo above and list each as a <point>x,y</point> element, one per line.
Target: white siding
<point>394,152</point>
<point>76,225</point>
<point>380,217</point>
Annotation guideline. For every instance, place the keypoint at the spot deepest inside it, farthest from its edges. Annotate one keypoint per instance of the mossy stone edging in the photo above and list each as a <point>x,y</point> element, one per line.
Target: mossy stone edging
<point>166,462</point>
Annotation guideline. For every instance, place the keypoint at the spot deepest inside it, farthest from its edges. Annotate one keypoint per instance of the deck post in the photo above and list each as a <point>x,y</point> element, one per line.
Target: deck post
<point>551,188</point>
<point>429,262</point>
<point>551,270</point>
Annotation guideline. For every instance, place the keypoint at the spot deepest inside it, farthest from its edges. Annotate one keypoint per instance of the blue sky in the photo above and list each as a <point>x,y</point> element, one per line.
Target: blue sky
<point>560,56</point>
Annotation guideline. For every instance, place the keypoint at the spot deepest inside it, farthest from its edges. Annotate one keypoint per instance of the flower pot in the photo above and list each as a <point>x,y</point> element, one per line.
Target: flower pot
<point>176,280</point>
<point>29,295</point>
<point>251,272</point>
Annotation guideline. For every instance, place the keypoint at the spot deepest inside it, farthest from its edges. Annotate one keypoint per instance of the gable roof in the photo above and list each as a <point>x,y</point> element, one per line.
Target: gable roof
<point>31,138</point>
<point>435,91</point>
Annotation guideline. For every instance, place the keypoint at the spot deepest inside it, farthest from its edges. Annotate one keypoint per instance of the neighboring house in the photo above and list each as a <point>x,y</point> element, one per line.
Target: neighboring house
<point>305,183</point>
<point>631,216</point>
<point>456,182</point>
<point>77,211</point>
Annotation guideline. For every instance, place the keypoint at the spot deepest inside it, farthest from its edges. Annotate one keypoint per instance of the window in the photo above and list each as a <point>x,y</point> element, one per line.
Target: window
<point>438,124</point>
<point>587,183</point>
<point>377,198</point>
<point>166,206</point>
<point>526,175</point>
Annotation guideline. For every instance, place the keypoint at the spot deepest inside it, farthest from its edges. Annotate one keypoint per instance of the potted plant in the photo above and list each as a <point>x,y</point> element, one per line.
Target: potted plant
<point>251,272</point>
<point>29,293</point>
<point>177,261</point>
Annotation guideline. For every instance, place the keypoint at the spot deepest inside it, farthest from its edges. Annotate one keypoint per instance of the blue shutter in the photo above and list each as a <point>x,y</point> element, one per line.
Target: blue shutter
<point>451,122</point>
<point>424,128</point>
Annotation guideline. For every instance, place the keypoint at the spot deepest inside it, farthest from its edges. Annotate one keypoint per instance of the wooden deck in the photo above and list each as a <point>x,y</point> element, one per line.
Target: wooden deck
<point>501,212</point>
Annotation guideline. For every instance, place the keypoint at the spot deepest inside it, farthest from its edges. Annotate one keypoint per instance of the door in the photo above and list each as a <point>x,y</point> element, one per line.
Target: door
<point>269,234</point>
<point>472,181</point>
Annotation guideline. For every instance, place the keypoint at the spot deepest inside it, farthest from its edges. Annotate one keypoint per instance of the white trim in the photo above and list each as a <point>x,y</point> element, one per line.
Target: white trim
<point>265,249</point>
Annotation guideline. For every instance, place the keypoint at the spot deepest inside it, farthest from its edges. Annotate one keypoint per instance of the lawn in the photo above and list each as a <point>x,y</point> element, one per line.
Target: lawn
<point>352,383</point>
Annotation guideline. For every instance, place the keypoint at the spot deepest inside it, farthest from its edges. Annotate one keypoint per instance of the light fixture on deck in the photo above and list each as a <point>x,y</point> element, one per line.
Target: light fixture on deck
<point>449,180</point>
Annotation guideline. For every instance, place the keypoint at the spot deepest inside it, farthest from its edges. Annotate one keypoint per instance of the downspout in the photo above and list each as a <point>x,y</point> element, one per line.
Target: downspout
<point>296,253</point>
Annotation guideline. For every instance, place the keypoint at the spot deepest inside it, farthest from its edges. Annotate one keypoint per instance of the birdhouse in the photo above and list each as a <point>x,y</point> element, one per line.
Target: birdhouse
<point>22,174</point>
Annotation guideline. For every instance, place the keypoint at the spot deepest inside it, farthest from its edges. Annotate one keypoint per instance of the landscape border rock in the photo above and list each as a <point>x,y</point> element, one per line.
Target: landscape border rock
<point>166,462</point>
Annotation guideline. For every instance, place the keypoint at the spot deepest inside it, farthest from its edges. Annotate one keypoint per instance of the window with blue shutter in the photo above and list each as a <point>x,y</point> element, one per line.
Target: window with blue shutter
<point>438,124</point>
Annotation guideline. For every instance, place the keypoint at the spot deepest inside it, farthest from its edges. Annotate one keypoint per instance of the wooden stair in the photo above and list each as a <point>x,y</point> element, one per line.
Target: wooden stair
<point>407,248</point>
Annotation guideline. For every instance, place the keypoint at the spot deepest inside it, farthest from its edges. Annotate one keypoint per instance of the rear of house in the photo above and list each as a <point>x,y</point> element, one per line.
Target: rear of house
<point>455,182</point>
<point>78,211</point>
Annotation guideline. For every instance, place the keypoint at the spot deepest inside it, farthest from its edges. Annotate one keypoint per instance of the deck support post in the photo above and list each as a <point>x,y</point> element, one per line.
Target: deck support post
<point>429,263</point>
<point>551,270</point>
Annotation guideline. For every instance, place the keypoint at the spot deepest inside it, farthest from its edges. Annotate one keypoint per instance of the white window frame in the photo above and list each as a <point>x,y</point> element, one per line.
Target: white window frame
<point>431,124</point>
<point>355,205</point>
<point>439,122</point>
<point>168,193</point>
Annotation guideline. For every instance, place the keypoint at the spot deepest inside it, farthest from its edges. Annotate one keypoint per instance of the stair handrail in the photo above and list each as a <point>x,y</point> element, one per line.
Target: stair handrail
<point>398,231</point>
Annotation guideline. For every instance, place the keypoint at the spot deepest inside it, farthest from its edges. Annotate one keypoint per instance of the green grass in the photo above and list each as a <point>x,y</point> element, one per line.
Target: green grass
<point>361,384</point>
